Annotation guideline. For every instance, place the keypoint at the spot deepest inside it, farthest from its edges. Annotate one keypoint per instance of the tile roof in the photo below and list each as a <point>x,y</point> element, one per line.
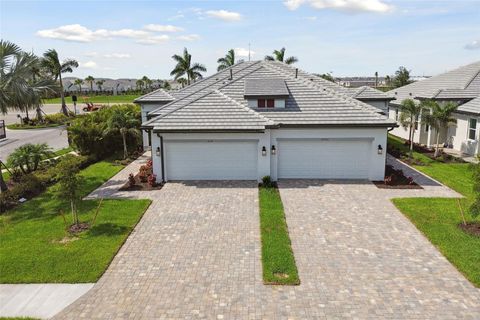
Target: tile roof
<point>271,87</point>
<point>462,82</point>
<point>218,103</point>
<point>369,93</point>
<point>158,95</point>
<point>473,107</point>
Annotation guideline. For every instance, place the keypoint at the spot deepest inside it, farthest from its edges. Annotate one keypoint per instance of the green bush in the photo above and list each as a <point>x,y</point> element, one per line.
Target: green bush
<point>59,118</point>
<point>89,134</point>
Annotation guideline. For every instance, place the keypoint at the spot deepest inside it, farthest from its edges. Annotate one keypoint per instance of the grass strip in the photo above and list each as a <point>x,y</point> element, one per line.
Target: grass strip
<point>277,256</point>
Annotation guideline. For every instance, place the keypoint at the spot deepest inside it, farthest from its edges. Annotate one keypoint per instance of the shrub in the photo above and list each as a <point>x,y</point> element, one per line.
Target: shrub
<point>56,118</point>
<point>28,186</point>
<point>152,180</point>
<point>28,156</point>
<point>87,133</point>
<point>267,182</point>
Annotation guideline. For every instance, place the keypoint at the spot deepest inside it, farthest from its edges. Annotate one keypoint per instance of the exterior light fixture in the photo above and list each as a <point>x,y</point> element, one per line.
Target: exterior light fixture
<point>157,152</point>
<point>380,149</point>
<point>264,151</point>
<point>274,150</point>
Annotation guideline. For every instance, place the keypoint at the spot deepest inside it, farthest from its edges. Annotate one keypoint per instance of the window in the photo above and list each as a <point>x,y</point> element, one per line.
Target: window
<point>261,103</point>
<point>472,129</point>
<point>270,103</point>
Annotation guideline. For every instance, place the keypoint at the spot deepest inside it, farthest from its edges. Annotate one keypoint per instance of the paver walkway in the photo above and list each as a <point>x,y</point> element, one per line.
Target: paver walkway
<point>196,254</point>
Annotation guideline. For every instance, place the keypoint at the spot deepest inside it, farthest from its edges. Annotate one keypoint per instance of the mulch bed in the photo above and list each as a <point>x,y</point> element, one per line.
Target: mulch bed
<point>140,186</point>
<point>395,179</point>
<point>472,228</point>
<point>77,228</point>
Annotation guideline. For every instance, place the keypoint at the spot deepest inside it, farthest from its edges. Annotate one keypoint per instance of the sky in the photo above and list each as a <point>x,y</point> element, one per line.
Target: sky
<point>130,39</point>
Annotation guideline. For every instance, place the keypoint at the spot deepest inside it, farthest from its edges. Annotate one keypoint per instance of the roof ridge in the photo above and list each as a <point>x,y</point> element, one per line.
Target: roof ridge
<point>248,109</point>
<point>360,91</point>
<point>153,92</point>
<point>332,92</point>
<point>190,94</point>
<point>471,80</point>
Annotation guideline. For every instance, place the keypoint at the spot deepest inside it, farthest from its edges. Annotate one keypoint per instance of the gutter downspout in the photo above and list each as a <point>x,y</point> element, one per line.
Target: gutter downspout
<point>162,160</point>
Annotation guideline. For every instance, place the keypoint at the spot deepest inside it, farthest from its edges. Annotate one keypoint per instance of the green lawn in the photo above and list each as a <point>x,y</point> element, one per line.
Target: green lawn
<point>18,126</point>
<point>31,251</point>
<point>94,99</point>
<point>438,218</point>
<point>277,256</point>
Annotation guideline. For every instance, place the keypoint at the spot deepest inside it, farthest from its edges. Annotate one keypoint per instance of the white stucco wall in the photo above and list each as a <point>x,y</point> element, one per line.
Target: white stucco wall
<point>267,165</point>
<point>459,135</point>
<point>145,109</point>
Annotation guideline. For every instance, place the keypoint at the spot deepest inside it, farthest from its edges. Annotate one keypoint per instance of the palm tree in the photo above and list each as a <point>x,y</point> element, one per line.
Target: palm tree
<point>28,156</point>
<point>186,67</point>
<point>166,85</point>
<point>78,83</point>
<point>227,61</point>
<point>410,111</point>
<point>439,117</point>
<point>139,84</point>
<point>279,55</point>
<point>147,82</point>
<point>99,84</point>
<point>90,80</point>
<point>52,63</point>
<point>19,88</point>
<point>182,81</point>
<point>125,123</point>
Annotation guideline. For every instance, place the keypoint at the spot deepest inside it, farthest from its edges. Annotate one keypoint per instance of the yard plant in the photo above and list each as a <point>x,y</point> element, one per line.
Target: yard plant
<point>278,260</point>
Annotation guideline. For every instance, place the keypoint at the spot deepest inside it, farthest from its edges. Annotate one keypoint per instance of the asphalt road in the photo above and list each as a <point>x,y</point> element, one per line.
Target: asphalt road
<point>56,138</point>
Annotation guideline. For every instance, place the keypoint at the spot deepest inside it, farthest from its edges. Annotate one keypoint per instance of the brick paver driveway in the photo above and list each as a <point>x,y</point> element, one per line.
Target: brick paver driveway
<point>196,254</point>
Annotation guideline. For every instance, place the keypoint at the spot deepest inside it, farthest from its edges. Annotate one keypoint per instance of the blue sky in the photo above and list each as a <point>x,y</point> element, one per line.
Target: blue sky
<point>120,39</point>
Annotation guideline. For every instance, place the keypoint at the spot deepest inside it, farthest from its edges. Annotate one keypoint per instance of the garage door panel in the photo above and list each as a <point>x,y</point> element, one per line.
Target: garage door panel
<point>324,159</point>
<point>213,160</point>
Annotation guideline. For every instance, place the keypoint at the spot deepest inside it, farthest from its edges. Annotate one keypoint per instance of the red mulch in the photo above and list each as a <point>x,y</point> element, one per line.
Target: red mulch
<point>472,228</point>
<point>140,186</point>
<point>395,179</point>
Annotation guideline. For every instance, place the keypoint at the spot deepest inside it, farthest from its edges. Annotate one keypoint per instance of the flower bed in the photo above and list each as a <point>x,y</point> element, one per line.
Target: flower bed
<point>396,179</point>
<point>144,180</point>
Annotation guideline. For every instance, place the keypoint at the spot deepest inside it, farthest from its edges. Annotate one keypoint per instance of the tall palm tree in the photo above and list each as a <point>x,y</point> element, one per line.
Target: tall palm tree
<point>227,61</point>
<point>124,122</point>
<point>90,80</point>
<point>52,63</point>
<point>147,82</point>
<point>18,88</point>
<point>186,67</point>
<point>182,81</point>
<point>410,112</point>
<point>279,55</point>
<point>439,117</point>
<point>78,83</point>
<point>99,84</point>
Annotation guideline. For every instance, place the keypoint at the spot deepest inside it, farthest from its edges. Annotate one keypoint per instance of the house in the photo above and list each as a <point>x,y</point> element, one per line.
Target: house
<point>264,118</point>
<point>462,86</point>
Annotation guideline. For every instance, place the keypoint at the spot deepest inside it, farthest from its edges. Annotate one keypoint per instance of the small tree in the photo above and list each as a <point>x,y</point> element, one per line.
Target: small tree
<point>440,117</point>
<point>28,156</point>
<point>475,207</point>
<point>402,77</point>
<point>125,123</point>
<point>68,183</point>
<point>410,111</point>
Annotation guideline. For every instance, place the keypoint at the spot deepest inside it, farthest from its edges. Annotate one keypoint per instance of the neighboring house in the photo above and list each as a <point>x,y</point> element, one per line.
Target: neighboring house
<point>461,86</point>
<point>264,118</point>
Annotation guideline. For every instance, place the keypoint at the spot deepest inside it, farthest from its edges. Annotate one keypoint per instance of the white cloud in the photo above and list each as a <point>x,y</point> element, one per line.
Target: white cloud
<point>117,55</point>
<point>129,33</point>
<point>89,65</point>
<point>189,37</point>
<point>73,32</point>
<point>176,17</point>
<point>162,28</point>
<point>154,39</point>
<point>378,6</point>
<point>91,54</point>
<point>242,52</point>
<point>224,15</point>
<point>475,44</point>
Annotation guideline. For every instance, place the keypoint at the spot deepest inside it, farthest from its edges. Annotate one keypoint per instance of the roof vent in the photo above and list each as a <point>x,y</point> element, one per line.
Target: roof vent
<point>296,72</point>
<point>410,94</point>
<point>231,74</point>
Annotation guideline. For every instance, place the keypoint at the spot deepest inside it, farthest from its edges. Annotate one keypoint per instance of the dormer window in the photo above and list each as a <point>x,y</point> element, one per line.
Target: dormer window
<point>265,103</point>
<point>266,93</point>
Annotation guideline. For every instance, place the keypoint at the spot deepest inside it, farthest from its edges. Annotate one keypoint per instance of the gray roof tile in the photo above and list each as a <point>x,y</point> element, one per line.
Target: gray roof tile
<point>267,87</point>
<point>473,106</point>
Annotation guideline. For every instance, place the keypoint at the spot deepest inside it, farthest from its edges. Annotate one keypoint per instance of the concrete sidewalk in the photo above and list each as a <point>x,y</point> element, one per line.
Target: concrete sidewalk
<point>38,300</point>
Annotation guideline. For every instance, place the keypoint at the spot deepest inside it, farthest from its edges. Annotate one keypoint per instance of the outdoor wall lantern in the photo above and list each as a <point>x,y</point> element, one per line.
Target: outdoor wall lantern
<point>274,150</point>
<point>380,149</point>
<point>264,151</point>
<point>157,152</point>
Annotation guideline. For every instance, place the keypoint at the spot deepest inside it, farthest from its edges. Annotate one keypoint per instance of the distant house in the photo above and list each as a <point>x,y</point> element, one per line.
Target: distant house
<point>265,118</point>
<point>461,86</point>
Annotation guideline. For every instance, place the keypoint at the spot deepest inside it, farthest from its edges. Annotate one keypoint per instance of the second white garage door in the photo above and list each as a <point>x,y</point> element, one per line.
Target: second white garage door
<point>211,160</point>
<point>323,159</point>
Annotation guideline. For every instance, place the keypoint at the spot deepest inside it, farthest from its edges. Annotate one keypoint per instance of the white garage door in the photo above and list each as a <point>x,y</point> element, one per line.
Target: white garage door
<point>211,160</point>
<point>323,159</point>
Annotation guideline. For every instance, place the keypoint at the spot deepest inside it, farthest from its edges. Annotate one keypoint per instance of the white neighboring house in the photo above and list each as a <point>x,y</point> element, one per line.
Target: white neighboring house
<point>265,118</point>
<point>462,86</point>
